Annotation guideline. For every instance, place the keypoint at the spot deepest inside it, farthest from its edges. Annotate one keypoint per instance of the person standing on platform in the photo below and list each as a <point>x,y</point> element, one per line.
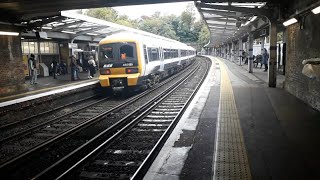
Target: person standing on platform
<point>265,59</point>
<point>92,67</point>
<point>54,68</point>
<point>33,70</point>
<point>74,71</point>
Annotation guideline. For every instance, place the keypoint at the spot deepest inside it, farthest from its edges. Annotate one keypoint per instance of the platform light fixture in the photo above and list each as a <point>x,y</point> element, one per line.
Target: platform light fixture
<point>46,27</point>
<point>290,21</point>
<point>316,10</point>
<point>253,18</point>
<point>92,34</point>
<point>69,32</point>
<point>248,22</point>
<point>6,33</point>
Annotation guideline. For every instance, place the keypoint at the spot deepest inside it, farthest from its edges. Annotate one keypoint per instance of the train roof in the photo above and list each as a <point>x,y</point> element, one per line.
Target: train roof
<point>146,38</point>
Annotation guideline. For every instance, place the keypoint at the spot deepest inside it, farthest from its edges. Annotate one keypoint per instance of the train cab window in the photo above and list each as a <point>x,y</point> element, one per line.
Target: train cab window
<point>107,52</point>
<point>118,53</point>
<point>126,51</point>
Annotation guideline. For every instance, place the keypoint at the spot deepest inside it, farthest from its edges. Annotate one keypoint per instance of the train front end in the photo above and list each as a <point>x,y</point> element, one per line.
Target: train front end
<point>119,64</point>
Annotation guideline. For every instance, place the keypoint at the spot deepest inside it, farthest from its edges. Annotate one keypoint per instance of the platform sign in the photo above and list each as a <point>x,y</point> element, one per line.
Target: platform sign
<point>25,65</point>
<point>93,44</point>
<point>73,45</point>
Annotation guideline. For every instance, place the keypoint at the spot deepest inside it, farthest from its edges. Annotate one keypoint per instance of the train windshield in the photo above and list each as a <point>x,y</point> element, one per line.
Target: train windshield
<point>118,54</point>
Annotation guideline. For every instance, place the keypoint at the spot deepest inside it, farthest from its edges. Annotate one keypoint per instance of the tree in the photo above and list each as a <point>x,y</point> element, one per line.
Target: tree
<point>183,28</point>
<point>204,36</point>
<point>159,25</point>
<point>109,14</point>
<point>106,13</point>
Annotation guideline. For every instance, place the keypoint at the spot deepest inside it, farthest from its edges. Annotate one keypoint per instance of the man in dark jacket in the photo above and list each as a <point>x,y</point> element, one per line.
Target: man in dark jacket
<point>54,68</point>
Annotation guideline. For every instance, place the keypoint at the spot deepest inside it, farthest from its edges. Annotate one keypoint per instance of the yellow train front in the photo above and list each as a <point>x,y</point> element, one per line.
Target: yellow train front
<point>119,64</point>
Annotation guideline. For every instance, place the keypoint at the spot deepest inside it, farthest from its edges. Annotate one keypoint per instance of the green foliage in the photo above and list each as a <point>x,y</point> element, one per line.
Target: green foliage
<point>159,25</point>
<point>280,36</point>
<point>109,14</point>
<point>204,36</point>
<point>183,28</point>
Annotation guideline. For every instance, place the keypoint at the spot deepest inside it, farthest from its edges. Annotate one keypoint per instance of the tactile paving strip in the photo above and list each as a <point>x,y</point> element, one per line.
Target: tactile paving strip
<point>230,156</point>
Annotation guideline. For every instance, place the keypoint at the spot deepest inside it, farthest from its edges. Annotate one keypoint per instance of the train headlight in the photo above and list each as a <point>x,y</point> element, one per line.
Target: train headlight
<point>131,70</point>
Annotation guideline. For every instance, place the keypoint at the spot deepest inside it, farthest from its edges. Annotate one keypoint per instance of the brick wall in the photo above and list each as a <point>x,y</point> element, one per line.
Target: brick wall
<point>11,69</point>
<point>303,44</point>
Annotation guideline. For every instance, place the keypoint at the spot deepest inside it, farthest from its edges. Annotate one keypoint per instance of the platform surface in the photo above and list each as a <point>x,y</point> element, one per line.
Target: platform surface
<point>46,86</point>
<point>268,134</point>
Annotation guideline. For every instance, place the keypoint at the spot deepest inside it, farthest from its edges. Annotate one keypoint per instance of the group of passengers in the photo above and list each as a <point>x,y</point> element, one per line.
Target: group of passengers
<point>58,68</point>
<point>75,68</point>
<point>262,58</point>
<point>61,68</point>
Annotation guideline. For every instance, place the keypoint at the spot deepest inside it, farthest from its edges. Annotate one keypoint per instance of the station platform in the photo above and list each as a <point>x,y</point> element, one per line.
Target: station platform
<point>238,128</point>
<point>47,86</point>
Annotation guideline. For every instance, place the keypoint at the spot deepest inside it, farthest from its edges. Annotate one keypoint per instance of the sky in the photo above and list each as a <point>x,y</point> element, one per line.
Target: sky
<point>135,12</point>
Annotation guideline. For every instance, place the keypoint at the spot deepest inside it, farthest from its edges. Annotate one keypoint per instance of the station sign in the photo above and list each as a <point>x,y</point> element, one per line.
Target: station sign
<point>93,44</point>
<point>73,46</point>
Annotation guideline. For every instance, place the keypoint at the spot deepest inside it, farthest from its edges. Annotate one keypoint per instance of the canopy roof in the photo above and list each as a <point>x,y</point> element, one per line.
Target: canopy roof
<point>70,25</point>
<point>228,21</point>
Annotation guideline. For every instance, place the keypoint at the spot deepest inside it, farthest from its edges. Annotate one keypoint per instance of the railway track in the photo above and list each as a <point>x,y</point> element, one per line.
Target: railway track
<point>9,125</point>
<point>18,163</point>
<point>33,122</point>
<point>129,152</point>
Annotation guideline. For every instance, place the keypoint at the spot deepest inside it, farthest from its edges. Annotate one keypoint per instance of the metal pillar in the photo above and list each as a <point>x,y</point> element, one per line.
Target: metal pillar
<point>221,51</point>
<point>233,51</point>
<point>272,73</point>
<point>225,52</point>
<point>230,52</point>
<point>262,44</point>
<point>240,51</point>
<point>250,59</point>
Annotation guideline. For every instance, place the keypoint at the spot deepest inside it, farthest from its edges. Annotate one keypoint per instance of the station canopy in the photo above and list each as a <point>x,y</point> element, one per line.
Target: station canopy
<point>70,25</point>
<point>228,21</point>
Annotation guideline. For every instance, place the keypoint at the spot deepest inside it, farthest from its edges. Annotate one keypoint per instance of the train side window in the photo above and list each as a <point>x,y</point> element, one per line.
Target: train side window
<point>145,53</point>
<point>149,54</point>
<point>166,53</point>
<point>183,53</point>
<point>155,54</point>
<point>176,53</point>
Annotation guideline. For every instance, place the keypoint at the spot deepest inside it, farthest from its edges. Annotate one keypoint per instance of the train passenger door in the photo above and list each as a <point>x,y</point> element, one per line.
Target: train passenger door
<point>146,58</point>
<point>161,59</point>
<point>179,56</point>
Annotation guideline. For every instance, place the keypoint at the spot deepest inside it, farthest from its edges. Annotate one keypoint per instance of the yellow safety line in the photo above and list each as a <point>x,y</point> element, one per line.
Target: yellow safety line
<point>230,156</point>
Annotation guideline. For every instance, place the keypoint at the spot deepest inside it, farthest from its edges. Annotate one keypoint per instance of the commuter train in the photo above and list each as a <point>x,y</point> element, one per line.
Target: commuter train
<point>138,61</point>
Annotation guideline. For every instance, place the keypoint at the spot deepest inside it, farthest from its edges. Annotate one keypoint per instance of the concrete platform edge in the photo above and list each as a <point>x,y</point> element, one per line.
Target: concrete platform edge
<point>170,160</point>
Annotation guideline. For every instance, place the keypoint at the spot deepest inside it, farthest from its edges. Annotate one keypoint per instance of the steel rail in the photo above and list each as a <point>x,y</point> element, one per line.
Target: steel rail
<point>29,130</point>
<point>5,166</point>
<point>147,107</point>
<point>43,113</point>
<point>139,174</point>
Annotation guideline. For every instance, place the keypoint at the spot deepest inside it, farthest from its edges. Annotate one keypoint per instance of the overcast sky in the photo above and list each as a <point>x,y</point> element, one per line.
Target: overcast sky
<point>135,12</point>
